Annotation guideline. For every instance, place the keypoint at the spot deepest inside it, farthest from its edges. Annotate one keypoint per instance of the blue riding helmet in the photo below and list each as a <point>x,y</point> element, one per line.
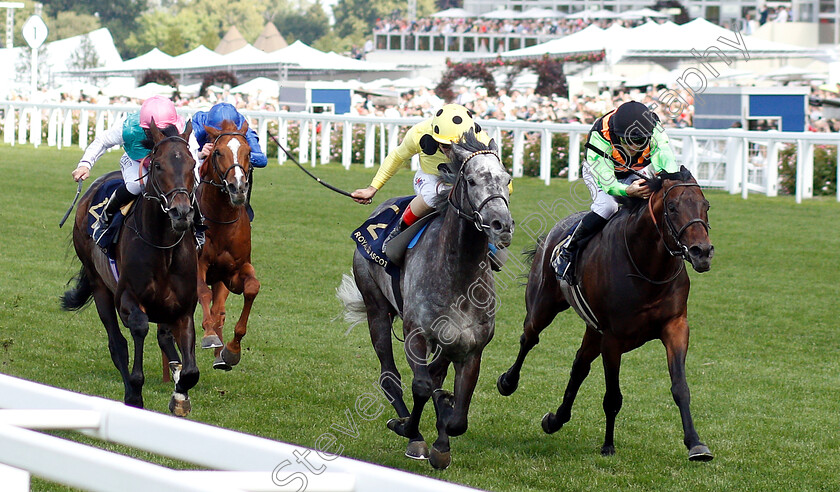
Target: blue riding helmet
<point>219,113</point>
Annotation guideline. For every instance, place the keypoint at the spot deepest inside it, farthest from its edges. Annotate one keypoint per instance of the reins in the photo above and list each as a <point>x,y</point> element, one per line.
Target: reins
<point>675,234</point>
<point>164,199</point>
<point>223,177</point>
<point>475,217</point>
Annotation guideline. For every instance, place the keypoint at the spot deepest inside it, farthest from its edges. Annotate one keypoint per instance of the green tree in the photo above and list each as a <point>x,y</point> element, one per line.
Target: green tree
<point>308,26</point>
<point>119,16</point>
<point>85,55</point>
<point>68,24</point>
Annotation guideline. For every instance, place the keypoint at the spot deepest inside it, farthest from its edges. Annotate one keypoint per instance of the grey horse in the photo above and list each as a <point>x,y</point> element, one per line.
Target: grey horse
<point>449,299</point>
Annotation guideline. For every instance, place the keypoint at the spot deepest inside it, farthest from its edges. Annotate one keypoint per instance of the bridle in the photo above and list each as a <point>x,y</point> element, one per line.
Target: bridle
<point>164,199</point>
<point>475,216</point>
<point>676,235</point>
<point>223,176</point>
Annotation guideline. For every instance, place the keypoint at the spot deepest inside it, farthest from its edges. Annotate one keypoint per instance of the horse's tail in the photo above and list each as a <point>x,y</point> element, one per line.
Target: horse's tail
<point>531,253</point>
<point>80,295</point>
<point>354,305</point>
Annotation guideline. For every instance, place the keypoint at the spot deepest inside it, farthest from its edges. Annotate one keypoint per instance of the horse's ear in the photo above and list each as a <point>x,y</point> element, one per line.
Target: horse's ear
<point>187,130</point>
<point>212,132</point>
<point>244,128</point>
<point>156,134</point>
<point>493,146</point>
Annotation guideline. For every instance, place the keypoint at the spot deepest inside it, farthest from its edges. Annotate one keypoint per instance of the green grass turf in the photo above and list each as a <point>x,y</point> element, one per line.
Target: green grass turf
<point>763,368</point>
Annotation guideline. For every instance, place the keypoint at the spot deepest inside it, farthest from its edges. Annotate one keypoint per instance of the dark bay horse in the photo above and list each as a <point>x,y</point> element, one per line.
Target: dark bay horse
<point>156,260</point>
<point>225,260</point>
<point>632,276</point>
<point>449,300</point>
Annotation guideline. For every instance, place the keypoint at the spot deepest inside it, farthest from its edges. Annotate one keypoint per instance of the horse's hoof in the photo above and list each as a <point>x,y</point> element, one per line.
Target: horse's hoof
<point>231,357</point>
<point>504,386</point>
<point>440,460</point>
<point>213,341</point>
<point>700,453</point>
<point>417,450</point>
<point>220,364</point>
<point>398,425</point>
<point>546,424</point>
<point>607,450</point>
<point>180,405</point>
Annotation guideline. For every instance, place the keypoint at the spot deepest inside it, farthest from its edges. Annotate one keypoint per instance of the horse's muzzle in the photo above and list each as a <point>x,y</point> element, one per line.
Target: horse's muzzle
<point>700,256</point>
<point>181,217</point>
<point>501,232</point>
<point>238,192</point>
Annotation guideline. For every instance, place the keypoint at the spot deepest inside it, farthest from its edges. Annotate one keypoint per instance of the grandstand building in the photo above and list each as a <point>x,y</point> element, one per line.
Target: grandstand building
<point>824,12</point>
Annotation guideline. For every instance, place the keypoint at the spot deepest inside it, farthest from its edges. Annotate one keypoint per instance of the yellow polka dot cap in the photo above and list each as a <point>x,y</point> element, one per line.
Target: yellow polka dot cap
<point>450,123</point>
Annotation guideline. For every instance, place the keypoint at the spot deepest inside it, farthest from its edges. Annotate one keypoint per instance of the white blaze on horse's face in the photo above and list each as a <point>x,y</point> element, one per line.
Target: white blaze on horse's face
<point>237,189</point>
<point>487,187</point>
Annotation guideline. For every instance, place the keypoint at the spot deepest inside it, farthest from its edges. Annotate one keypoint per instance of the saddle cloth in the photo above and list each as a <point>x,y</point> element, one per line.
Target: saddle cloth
<point>109,239</point>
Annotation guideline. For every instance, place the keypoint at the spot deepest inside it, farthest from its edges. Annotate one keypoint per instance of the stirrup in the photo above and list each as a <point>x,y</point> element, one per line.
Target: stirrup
<point>100,226</point>
<point>394,233</point>
<point>200,239</point>
<point>562,264</point>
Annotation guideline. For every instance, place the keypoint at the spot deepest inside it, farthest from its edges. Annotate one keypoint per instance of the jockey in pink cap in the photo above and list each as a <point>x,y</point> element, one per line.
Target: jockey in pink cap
<point>131,133</point>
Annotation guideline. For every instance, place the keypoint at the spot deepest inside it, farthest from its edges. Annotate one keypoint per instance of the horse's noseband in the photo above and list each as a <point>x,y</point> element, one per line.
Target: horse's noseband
<point>676,235</point>
<point>475,217</point>
<point>165,199</point>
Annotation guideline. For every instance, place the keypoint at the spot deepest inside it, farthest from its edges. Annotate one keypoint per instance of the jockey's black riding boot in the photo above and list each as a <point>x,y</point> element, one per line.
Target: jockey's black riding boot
<point>119,198</point>
<point>588,227</point>
<point>394,233</point>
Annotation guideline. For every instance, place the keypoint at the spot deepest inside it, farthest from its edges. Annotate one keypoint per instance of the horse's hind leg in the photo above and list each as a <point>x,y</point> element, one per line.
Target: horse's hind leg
<point>452,409</point>
<point>542,307</point>
<point>117,344</point>
<point>137,322</point>
<point>675,339</point>
<point>422,386</point>
<point>232,352</point>
<point>589,349</point>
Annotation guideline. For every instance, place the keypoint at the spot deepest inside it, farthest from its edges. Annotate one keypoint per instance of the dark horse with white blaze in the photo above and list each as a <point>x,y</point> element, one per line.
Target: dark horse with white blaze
<point>156,260</point>
<point>633,278</point>
<point>225,260</point>
<point>449,299</point>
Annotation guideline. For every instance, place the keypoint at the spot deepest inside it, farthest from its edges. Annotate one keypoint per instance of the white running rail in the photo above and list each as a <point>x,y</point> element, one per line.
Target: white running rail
<point>236,461</point>
<point>724,159</point>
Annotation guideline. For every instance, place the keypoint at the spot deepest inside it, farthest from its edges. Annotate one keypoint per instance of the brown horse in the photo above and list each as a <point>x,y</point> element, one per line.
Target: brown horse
<point>225,260</point>
<point>634,289</point>
<point>156,260</point>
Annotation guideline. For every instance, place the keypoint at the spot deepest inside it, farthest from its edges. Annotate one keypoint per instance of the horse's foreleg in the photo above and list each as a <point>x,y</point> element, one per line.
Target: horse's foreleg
<point>184,374</point>
<point>590,348</point>
<point>218,314</point>
<point>452,415</point>
<point>117,344</point>
<point>232,352</point>
<point>208,322</point>
<point>137,322</point>
<point>542,309</point>
<point>612,397</point>
<point>675,339</point>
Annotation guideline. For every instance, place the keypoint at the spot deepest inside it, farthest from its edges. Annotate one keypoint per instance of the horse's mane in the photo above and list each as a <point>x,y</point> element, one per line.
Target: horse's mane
<point>655,184</point>
<point>449,172</point>
<point>168,131</point>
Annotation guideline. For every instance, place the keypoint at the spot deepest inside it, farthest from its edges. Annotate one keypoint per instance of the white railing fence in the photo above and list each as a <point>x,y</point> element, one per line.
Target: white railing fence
<point>737,161</point>
<point>231,461</point>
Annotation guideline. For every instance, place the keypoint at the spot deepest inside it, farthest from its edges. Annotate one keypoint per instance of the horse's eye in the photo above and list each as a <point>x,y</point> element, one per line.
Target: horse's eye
<point>217,153</point>
<point>157,165</point>
<point>672,207</point>
<point>470,181</point>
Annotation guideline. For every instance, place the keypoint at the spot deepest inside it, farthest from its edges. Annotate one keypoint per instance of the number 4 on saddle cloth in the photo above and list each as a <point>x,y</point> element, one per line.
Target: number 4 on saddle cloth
<point>108,239</point>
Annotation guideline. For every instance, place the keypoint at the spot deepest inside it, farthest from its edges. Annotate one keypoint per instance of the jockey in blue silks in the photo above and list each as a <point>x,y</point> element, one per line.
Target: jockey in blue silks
<point>201,147</point>
<point>217,114</point>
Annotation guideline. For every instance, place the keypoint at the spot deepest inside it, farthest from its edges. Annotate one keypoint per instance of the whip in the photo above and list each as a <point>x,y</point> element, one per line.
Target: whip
<point>316,178</point>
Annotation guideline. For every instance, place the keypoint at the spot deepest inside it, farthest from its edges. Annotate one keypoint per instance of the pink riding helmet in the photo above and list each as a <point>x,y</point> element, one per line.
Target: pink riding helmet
<point>162,110</point>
